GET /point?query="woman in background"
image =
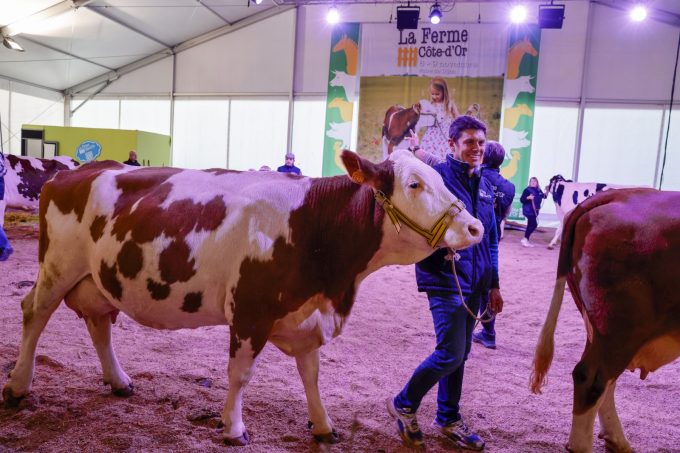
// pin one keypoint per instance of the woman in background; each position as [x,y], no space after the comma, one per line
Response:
[532,198]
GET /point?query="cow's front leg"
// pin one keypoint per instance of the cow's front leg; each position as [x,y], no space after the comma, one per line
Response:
[240,370]
[557,236]
[610,425]
[322,427]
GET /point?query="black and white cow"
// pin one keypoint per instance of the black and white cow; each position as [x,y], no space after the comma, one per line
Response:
[568,194]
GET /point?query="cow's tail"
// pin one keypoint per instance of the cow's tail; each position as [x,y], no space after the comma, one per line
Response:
[546,341]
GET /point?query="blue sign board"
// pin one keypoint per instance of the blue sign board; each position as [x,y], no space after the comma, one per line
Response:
[88,151]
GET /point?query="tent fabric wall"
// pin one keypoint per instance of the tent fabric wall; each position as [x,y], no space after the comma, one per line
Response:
[625,65]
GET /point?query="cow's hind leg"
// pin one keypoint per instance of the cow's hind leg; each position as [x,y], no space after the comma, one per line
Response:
[86,300]
[610,425]
[37,307]
[240,369]
[590,383]
[322,427]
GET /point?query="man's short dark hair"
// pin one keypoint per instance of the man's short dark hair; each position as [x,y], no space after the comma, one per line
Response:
[463,123]
[494,154]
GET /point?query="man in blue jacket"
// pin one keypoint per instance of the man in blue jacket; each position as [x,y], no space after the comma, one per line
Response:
[289,166]
[477,271]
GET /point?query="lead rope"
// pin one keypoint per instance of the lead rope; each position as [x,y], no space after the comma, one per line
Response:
[453,256]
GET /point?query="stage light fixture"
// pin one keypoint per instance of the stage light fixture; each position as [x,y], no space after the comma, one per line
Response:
[550,16]
[435,13]
[518,14]
[408,17]
[333,16]
[11,44]
[638,13]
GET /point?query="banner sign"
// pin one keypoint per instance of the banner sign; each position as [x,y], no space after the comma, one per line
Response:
[519,99]
[342,76]
[445,50]
[420,80]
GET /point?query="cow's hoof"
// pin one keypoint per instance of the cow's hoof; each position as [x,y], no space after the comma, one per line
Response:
[9,400]
[240,441]
[125,391]
[327,438]
[615,445]
[550,247]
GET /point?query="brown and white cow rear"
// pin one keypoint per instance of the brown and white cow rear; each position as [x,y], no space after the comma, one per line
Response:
[278,257]
[620,255]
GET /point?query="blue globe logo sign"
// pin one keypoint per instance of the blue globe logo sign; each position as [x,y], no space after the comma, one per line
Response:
[88,151]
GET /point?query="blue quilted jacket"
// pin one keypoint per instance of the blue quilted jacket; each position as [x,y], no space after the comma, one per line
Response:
[477,267]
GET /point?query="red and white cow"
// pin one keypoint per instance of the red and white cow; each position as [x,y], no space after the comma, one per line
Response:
[277,257]
[25,178]
[620,255]
[568,194]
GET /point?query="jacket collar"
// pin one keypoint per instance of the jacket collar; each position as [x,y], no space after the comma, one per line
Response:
[461,167]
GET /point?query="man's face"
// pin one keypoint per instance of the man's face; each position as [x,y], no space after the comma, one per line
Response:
[469,148]
[290,161]
[133,156]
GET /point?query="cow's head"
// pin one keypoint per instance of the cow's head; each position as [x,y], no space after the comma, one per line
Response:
[417,191]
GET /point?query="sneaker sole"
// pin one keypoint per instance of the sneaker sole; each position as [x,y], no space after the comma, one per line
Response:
[407,441]
[462,444]
[475,340]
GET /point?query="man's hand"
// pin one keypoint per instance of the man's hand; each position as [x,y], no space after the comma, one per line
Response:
[495,300]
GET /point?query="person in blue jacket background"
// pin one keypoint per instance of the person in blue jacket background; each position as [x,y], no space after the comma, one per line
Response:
[5,247]
[477,271]
[532,199]
[504,193]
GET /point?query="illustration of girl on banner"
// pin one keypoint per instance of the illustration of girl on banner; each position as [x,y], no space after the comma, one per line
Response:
[442,106]
[435,139]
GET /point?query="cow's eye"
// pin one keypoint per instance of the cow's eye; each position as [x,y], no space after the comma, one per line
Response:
[414,185]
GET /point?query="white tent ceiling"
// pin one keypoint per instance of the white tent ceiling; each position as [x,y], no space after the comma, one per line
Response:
[69,42]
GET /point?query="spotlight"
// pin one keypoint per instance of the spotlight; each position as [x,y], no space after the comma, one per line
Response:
[518,14]
[333,16]
[408,17]
[11,44]
[436,14]
[550,16]
[257,2]
[638,13]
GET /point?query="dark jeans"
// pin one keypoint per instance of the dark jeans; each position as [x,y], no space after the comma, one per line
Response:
[532,224]
[489,327]
[453,329]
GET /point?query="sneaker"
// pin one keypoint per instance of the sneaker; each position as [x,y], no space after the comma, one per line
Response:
[525,242]
[5,253]
[407,424]
[461,435]
[484,339]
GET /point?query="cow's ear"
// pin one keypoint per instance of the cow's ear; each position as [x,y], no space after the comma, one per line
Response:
[360,170]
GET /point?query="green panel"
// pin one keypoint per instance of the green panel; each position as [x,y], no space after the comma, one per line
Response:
[153,149]
[523,52]
[337,131]
[116,144]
